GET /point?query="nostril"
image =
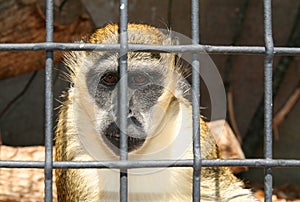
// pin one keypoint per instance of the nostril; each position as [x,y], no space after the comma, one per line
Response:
[130,113]
[135,121]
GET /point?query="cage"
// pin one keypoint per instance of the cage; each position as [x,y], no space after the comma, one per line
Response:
[267,51]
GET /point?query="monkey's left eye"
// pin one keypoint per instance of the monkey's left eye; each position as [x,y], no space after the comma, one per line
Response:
[139,79]
[109,79]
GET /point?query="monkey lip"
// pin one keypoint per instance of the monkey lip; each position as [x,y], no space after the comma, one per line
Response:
[112,137]
[132,142]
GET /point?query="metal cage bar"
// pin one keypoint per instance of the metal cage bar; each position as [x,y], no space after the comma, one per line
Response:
[269,44]
[196,103]
[158,48]
[122,106]
[48,104]
[257,163]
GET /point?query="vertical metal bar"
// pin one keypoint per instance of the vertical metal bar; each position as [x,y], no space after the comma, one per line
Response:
[123,108]
[48,104]
[196,102]
[269,45]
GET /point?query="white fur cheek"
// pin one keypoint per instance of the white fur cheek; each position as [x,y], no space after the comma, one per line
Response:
[145,121]
[102,120]
[84,100]
[88,122]
[153,119]
[89,134]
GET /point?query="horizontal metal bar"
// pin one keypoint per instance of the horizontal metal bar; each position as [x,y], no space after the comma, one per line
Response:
[279,163]
[147,48]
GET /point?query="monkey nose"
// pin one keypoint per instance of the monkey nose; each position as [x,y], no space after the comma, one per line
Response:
[134,120]
[130,113]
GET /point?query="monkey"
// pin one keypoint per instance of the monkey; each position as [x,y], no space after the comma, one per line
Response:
[159,126]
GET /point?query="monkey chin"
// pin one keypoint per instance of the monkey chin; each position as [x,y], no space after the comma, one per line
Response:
[135,137]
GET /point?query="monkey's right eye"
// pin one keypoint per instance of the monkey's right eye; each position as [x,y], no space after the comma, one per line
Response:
[109,79]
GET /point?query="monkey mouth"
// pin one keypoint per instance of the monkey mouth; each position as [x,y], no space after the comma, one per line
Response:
[135,137]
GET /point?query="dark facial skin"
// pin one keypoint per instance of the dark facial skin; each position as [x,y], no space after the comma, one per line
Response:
[144,89]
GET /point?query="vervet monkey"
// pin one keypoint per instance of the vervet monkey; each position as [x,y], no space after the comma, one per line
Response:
[159,126]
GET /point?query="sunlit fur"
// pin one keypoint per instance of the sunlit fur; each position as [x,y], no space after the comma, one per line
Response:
[168,128]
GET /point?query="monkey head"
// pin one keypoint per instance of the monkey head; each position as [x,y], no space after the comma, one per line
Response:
[154,85]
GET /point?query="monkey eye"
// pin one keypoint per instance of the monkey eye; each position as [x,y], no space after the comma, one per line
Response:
[109,79]
[139,79]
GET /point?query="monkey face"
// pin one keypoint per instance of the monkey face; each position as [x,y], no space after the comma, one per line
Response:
[143,94]
[147,81]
